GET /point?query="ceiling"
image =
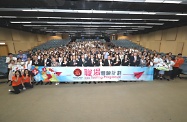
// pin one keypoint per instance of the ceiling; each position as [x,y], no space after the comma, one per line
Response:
[93,17]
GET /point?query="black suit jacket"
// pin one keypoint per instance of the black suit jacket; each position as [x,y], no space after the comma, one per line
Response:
[106,63]
[36,63]
[136,63]
[63,64]
[125,63]
[73,63]
[48,62]
[81,63]
[118,63]
[98,63]
[90,63]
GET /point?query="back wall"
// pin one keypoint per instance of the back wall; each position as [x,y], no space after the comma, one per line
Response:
[170,40]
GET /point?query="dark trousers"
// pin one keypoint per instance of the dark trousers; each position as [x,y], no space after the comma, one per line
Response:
[175,72]
[28,85]
[156,72]
[169,74]
[17,89]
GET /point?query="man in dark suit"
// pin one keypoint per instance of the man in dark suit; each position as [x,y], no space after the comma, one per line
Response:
[46,61]
[91,61]
[35,61]
[82,61]
[73,62]
[134,60]
[108,62]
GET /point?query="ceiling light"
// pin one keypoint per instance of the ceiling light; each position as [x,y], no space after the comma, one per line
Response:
[154,1]
[8,17]
[2,43]
[29,10]
[20,22]
[169,1]
[182,14]
[90,23]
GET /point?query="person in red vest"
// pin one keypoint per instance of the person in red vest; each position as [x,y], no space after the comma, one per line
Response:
[181,61]
[17,83]
[178,62]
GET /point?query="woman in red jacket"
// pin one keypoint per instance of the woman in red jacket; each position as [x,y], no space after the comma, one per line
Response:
[17,83]
[27,79]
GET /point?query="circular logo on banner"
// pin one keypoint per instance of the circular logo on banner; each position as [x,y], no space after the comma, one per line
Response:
[77,72]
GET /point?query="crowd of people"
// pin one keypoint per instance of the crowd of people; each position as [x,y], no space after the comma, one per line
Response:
[90,54]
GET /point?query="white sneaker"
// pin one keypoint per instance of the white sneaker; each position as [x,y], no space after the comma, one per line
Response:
[24,88]
[9,90]
[57,84]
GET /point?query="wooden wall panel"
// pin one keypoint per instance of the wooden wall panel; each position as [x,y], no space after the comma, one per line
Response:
[179,47]
[168,46]
[171,34]
[170,40]
[184,52]
[158,35]
[154,45]
[5,34]
[11,47]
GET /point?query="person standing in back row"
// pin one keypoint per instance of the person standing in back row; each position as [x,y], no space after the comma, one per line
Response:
[178,62]
[181,60]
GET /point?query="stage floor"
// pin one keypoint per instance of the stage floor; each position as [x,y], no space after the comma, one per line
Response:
[158,101]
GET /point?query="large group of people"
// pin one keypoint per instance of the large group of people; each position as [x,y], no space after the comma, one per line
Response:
[90,54]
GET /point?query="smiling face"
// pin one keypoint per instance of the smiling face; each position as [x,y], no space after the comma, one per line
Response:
[17,73]
[26,72]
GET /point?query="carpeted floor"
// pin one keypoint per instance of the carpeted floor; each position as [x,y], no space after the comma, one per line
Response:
[158,101]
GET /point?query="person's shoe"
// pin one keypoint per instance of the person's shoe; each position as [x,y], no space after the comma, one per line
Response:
[167,79]
[160,78]
[41,82]
[56,84]
[46,83]
[9,90]
[94,82]
[50,83]
[37,83]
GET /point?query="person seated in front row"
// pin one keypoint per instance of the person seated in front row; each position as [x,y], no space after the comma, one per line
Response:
[27,79]
[17,83]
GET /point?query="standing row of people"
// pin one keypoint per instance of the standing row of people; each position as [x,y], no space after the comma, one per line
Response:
[95,53]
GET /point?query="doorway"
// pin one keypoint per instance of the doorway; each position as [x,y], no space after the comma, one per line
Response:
[4,50]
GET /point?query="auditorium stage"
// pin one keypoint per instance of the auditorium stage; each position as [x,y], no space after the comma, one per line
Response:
[158,101]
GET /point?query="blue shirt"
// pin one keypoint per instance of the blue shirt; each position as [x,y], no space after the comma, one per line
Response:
[24,57]
[106,55]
